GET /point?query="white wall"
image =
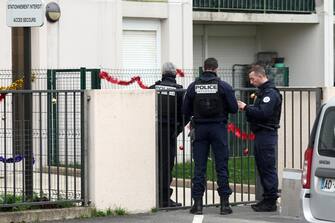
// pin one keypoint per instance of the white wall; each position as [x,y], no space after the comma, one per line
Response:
[302,47]
[89,33]
[177,34]
[307,48]
[230,44]
[122,154]
[325,11]
[306,41]
[327,93]
[133,9]
[5,39]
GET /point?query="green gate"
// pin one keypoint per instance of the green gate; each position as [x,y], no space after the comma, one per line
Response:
[66,79]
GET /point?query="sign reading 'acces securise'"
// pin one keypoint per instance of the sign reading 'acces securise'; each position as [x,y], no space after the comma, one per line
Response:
[25,13]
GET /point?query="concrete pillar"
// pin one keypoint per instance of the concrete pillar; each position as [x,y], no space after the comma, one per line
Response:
[110,33]
[53,46]
[177,34]
[122,149]
[290,197]
[187,34]
[325,10]
[327,93]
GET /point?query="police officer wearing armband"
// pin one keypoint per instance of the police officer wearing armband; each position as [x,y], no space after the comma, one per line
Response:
[264,117]
[209,100]
[170,124]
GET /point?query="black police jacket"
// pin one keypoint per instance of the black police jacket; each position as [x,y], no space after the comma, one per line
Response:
[265,113]
[167,101]
[226,93]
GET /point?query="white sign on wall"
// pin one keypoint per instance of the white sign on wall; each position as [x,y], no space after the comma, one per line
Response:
[25,13]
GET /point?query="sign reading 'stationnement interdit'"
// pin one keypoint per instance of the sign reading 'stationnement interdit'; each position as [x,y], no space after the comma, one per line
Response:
[25,13]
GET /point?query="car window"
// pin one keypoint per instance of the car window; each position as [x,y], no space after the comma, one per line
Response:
[327,134]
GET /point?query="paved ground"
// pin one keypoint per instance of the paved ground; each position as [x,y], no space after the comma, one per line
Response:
[242,214]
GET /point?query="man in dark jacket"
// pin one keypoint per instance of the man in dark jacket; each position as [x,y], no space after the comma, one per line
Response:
[264,117]
[209,100]
[170,124]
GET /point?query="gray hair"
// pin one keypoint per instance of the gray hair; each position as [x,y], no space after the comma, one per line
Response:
[168,69]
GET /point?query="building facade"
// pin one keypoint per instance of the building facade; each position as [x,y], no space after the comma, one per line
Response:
[144,34]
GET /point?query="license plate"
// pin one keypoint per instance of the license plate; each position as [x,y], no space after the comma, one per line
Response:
[328,185]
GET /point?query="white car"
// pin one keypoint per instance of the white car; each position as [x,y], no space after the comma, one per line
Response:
[318,178]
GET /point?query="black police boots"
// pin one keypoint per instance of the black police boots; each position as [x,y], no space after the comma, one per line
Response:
[257,204]
[266,205]
[197,206]
[171,203]
[225,208]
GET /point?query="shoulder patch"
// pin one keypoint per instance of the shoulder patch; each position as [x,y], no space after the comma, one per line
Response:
[266,99]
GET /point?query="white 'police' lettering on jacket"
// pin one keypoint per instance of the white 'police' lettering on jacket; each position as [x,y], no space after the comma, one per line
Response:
[206,88]
[163,87]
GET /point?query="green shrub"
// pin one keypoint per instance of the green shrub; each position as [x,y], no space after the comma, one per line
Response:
[241,169]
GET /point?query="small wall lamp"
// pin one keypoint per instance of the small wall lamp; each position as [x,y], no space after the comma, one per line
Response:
[52,12]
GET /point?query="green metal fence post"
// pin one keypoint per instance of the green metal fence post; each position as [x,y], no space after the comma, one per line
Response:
[95,79]
[286,76]
[49,114]
[83,148]
[201,70]
[55,120]
[82,78]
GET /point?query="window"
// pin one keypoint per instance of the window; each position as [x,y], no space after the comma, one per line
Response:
[141,47]
[327,134]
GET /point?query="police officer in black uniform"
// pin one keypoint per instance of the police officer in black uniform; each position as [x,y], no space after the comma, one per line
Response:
[170,124]
[264,117]
[209,100]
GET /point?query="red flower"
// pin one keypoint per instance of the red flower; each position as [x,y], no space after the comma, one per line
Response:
[252,136]
[181,147]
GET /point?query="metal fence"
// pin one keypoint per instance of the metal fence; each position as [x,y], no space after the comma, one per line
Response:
[39,78]
[298,112]
[237,76]
[299,109]
[79,79]
[57,79]
[42,157]
[57,136]
[256,6]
